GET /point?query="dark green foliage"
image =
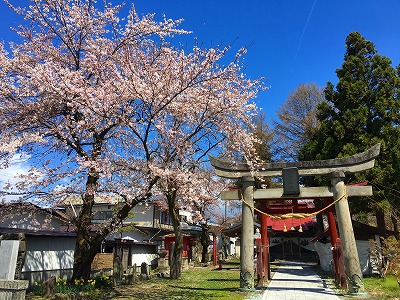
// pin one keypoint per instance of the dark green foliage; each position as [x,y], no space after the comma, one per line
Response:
[362,110]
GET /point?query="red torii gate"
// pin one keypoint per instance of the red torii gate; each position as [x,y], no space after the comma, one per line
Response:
[295,207]
[335,168]
[287,209]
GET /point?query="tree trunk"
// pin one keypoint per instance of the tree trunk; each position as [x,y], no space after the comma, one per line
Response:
[85,250]
[395,225]
[380,220]
[176,259]
[176,256]
[205,242]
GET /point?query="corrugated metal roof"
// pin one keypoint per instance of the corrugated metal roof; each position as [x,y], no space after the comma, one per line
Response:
[30,232]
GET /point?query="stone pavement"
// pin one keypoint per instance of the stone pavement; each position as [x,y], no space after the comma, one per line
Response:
[297,281]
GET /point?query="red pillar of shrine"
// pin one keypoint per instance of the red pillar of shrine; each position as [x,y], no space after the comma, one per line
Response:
[334,235]
[265,245]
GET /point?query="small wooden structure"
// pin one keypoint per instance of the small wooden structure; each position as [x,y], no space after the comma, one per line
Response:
[188,242]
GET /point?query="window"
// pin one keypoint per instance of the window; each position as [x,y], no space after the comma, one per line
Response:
[165,218]
[159,244]
[102,215]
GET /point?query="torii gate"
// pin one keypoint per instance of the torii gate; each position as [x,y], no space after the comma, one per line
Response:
[336,168]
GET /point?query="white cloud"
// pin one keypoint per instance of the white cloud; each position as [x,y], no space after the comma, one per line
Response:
[19,165]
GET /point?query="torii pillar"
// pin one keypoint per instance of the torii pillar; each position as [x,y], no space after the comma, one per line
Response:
[247,238]
[265,246]
[351,261]
[334,235]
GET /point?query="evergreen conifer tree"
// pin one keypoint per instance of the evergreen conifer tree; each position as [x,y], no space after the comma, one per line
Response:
[362,110]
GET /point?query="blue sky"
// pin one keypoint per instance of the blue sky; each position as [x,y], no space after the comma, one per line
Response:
[289,41]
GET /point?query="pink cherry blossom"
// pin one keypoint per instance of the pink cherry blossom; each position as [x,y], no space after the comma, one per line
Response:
[108,108]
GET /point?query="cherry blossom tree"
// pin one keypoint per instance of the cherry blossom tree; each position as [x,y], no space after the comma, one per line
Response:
[106,107]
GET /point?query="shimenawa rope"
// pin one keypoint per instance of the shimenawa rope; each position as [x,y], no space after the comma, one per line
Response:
[293,215]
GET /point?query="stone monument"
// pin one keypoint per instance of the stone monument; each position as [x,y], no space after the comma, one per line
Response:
[21,250]
[8,258]
[10,289]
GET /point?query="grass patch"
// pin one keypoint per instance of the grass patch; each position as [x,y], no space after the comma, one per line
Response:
[196,283]
[383,289]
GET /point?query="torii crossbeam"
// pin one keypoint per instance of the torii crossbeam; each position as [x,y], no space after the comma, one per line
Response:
[352,164]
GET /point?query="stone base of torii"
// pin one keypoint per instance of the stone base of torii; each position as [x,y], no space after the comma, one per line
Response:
[336,169]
